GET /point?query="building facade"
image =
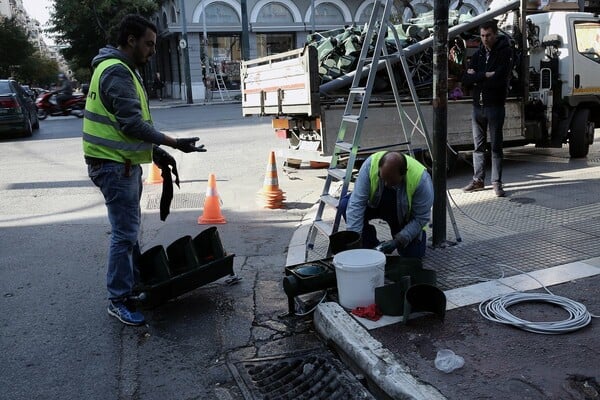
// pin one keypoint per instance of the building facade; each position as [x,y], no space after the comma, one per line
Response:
[214,32]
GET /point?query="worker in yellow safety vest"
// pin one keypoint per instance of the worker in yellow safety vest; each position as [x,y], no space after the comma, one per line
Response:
[118,136]
[396,188]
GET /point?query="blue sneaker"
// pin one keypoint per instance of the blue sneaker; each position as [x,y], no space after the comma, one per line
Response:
[122,313]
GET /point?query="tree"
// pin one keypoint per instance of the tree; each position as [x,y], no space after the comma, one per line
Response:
[85,26]
[39,70]
[15,49]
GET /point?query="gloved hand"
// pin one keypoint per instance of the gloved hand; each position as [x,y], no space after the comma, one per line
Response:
[387,247]
[188,145]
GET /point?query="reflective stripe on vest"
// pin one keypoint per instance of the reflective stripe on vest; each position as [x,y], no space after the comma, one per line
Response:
[414,172]
[102,135]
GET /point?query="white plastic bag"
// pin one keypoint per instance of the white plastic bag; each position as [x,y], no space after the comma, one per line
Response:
[447,361]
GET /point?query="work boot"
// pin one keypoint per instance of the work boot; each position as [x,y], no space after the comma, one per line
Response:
[474,186]
[498,189]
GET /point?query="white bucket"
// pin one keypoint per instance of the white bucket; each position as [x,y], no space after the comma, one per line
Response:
[358,273]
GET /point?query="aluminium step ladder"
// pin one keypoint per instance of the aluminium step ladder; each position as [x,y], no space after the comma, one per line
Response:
[221,86]
[376,28]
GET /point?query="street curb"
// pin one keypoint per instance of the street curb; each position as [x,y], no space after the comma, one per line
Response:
[297,248]
[333,323]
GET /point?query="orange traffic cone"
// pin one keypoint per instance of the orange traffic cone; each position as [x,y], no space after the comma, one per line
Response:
[212,209]
[154,175]
[270,194]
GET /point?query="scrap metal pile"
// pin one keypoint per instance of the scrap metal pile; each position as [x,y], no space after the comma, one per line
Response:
[339,49]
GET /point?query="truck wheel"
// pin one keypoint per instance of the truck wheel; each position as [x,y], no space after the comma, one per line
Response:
[579,144]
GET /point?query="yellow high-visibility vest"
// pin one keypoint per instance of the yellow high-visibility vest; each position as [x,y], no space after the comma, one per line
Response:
[414,172]
[102,135]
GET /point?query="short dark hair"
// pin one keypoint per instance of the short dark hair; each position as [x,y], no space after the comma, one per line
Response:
[491,24]
[133,24]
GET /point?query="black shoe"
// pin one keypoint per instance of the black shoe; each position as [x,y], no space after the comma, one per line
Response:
[498,189]
[474,186]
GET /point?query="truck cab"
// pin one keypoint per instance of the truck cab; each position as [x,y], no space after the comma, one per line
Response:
[564,89]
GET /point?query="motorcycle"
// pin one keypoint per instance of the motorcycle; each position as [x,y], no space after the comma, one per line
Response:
[47,105]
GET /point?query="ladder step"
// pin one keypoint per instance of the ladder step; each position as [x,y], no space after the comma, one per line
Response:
[324,227]
[351,118]
[330,200]
[345,146]
[358,90]
[337,173]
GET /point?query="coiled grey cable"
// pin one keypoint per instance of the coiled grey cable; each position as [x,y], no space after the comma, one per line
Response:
[496,309]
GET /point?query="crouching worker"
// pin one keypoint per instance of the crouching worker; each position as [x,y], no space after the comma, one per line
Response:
[397,189]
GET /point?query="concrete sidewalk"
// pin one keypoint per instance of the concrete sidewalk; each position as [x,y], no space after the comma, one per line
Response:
[548,228]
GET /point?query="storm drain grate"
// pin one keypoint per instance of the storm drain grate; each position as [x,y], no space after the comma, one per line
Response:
[302,377]
[180,200]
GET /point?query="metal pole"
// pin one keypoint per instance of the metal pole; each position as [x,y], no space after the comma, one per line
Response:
[186,54]
[205,60]
[440,119]
[245,33]
[312,12]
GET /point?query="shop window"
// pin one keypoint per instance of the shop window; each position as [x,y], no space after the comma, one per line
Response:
[220,14]
[274,43]
[224,56]
[328,14]
[275,13]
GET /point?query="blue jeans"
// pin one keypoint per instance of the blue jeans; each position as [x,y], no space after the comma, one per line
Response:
[484,119]
[387,211]
[122,196]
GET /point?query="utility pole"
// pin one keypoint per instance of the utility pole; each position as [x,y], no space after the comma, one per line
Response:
[186,55]
[245,33]
[314,17]
[440,119]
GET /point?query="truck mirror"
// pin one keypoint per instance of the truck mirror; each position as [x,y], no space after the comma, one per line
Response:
[553,40]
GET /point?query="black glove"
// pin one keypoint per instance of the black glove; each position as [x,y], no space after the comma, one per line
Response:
[161,158]
[188,145]
[167,165]
[387,247]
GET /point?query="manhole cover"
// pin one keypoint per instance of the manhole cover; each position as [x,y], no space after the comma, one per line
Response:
[180,200]
[299,377]
[522,200]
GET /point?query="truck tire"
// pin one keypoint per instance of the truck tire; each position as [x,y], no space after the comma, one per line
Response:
[579,145]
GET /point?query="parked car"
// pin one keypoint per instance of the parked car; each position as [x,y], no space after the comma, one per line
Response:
[18,113]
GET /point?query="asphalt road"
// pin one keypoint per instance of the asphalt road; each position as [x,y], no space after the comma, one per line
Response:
[57,340]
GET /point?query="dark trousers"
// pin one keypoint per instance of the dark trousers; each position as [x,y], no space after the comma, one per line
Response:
[487,119]
[387,211]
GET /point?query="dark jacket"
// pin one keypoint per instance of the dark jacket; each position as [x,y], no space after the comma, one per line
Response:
[490,91]
[119,96]
[65,88]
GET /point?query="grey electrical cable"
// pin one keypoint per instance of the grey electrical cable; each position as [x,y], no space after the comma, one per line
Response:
[496,309]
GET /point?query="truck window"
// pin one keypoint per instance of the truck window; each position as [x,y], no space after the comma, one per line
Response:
[588,39]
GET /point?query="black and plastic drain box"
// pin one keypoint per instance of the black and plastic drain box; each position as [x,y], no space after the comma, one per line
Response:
[185,265]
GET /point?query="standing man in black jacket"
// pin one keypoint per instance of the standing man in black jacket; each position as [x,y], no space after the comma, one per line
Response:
[488,76]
